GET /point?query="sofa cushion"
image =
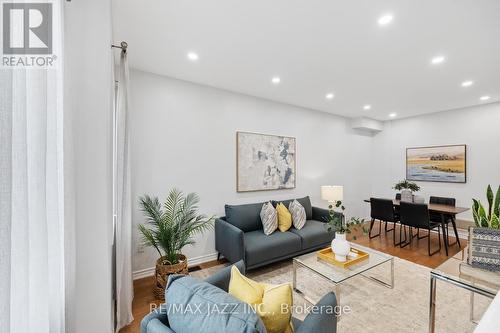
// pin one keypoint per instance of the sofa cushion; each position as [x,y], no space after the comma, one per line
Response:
[298,214]
[284,217]
[314,233]
[245,217]
[260,247]
[305,202]
[196,306]
[272,302]
[269,218]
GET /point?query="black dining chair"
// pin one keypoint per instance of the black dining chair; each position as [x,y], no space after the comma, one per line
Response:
[417,216]
[448,218]
[383,210]
[397,197]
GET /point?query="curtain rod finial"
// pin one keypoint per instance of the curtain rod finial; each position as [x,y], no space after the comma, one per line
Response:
[123,46]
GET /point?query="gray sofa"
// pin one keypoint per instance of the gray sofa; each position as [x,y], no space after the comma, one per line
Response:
[320,320]
[239,235]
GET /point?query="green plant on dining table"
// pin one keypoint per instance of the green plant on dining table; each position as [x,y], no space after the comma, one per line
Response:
[336,221]
[406,185]
[490,218]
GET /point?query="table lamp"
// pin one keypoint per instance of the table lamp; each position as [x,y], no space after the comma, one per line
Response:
[332,193]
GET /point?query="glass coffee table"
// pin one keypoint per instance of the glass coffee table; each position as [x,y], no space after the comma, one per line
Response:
[337,275]
[457,272]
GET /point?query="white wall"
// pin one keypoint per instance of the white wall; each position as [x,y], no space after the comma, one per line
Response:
[87,148]
[477,127]
[184,135]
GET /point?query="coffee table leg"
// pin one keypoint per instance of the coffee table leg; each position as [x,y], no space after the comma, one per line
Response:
[432,305]
[392,273]
[385,284]
[337,295]
[294,284]
[472,306]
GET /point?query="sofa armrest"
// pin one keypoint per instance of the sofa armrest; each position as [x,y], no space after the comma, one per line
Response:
[320,214]
[322,318]
[221,278]
[229,241]
[156,322]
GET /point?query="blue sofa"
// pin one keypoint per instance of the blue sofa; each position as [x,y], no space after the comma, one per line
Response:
[321,320]
[239,235]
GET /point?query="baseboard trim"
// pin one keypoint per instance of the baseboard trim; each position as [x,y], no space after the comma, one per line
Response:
[147,272]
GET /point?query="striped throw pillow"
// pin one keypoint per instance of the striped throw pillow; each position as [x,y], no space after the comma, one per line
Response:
[298,214]
[269,218]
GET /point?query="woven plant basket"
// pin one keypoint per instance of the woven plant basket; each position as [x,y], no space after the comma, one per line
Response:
[163,270]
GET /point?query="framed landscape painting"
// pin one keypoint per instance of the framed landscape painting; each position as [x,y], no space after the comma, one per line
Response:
[437,164]
[264,162]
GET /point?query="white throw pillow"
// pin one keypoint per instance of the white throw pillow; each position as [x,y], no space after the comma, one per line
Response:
[298,214]
[269,218]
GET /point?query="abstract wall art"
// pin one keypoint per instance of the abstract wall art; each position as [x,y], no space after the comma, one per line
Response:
[264,162]
[437,164]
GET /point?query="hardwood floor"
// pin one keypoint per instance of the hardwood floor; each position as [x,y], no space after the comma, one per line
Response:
[143,299]
[416,252]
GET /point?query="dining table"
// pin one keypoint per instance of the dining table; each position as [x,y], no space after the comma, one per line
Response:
[444,211]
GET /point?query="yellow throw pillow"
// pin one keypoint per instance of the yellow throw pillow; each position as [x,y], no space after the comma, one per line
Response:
[284,217]
[273,303]
[245,289]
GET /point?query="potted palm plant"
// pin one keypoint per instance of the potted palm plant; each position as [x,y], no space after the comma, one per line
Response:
[168,228]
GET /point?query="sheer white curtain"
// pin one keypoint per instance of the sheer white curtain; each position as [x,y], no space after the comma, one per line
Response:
[32,196]
[123,208]
[31,204]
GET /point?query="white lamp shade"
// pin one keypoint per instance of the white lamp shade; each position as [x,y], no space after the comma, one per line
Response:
[332,193]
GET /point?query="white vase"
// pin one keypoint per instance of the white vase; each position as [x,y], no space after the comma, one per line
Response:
[340,247]
[406,195]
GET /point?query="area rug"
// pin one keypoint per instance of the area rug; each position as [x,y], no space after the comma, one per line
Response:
[375,308]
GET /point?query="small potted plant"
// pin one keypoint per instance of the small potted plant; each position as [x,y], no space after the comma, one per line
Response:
[336,222]
[168,230]
[407,188]
[491,217]
[486,232]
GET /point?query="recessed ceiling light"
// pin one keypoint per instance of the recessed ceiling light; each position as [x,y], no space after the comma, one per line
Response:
[484,98]
[276,80]
[367,107]
[467,83]
[192,56]
[392,115]
[438,60]
[385,19]
[329,96]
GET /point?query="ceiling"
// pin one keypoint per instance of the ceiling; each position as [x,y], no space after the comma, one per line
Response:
[318,46]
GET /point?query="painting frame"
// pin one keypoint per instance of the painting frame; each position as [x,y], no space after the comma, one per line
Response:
[437,180]
[239,188]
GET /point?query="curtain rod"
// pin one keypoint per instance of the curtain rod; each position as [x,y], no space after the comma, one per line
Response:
[123,46]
